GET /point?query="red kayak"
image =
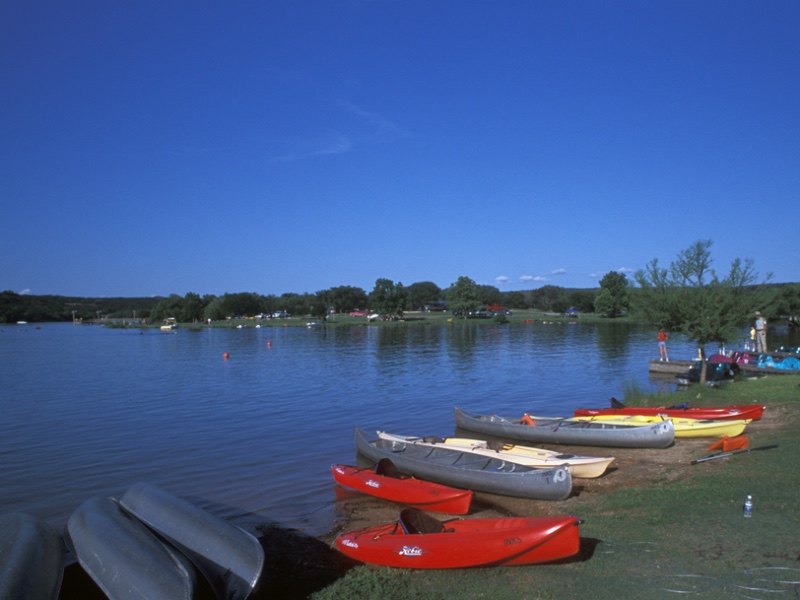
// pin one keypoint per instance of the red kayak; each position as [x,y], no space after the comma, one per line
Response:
[733,412]
[384,481]
[419,541]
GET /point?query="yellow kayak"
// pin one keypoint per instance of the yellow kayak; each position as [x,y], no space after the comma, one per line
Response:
[684,427]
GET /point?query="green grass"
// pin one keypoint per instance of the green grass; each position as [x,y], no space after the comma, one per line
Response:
[687,535]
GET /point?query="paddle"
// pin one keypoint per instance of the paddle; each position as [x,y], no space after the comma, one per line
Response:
[724,454]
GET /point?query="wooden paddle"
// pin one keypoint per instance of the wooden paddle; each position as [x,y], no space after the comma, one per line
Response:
[724,454]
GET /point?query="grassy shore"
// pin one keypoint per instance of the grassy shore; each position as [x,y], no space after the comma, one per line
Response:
[656,527]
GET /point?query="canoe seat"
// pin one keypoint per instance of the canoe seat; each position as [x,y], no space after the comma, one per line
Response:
[495,445]
[415,521]
[387,468]
[432,439]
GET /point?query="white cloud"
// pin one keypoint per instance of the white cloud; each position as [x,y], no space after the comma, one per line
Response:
[626,270]
[25,292]
[540,278]
[559,272]
[526,278]
[501,280]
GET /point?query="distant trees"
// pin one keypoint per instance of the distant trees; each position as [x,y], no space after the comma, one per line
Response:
[463,295]
[691,298]
[423,293]
[612,299]
[388,298]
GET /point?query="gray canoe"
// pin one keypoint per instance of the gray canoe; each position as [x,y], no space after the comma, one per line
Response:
[31,558]
[124,558]
[468,471]
[228,556]
[574,433]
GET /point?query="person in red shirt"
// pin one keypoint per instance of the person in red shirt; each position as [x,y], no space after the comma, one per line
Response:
[662,345]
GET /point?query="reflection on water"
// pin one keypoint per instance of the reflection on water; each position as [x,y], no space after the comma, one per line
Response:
[90,411]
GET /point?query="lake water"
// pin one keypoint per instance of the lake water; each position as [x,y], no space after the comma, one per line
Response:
[89,411]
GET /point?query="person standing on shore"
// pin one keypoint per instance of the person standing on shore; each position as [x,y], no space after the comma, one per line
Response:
[761,333]
[662,345]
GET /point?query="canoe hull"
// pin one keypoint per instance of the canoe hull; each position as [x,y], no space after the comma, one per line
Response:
[31,558]
[421,494]
[561,431]
[462,470]
[124,558]
[584,467]
[229,557]
[466,543]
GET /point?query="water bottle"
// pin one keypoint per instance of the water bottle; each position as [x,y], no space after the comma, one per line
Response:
[748,507]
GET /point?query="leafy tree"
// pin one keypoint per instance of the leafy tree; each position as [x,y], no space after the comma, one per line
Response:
[583,300]
[515,300]
[462,295]
[422,293]
[786,303]
[691,298]
[346,298]
[546,296]
[489,294]
[388,298]
[612,299]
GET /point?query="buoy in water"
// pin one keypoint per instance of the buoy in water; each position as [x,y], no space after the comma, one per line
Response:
[269,344]
[225,355]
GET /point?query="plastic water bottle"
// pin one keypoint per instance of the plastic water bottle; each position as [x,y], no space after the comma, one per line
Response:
[748,507]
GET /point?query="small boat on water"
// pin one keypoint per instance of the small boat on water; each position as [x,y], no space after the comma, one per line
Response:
[419,541]
[31,558]
[468,471]
[684,428]
[229,557]
[565,431]
[733,412]
[169,324]
[124,558]
[580,466]
[386,482]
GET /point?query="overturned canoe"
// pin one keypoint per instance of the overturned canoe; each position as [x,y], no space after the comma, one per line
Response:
[684,428]
[384,481]
[31,558]
[124,558]
[579,466]
[418,541]
[733,412]
[565,431]
[468,471]
[229,557]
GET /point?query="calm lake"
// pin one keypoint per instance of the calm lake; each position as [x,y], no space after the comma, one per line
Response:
[89,411]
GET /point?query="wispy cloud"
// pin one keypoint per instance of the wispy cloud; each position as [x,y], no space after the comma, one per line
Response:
[366,128]
[626,270]
[25,292]
[559,272]
[501,280]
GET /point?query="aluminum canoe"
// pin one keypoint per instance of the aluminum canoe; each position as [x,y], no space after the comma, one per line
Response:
[583,467]
[124,558]
[229,557]
[570,432]
[31,558]
[468,471]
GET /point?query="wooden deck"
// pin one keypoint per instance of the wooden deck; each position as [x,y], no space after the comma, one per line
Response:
[674,367]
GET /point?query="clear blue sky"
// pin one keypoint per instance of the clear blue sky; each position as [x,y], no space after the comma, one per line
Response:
[153,147]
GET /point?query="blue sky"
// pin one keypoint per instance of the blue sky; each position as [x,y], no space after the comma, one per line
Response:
[149,148]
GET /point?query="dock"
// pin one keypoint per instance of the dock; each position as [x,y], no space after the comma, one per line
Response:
[672,367]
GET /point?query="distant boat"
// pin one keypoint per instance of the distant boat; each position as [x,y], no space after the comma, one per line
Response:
[22,322]
[169,324]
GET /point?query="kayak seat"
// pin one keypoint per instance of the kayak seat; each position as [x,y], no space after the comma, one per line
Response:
[414,521]
[616,403]
[387,468]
